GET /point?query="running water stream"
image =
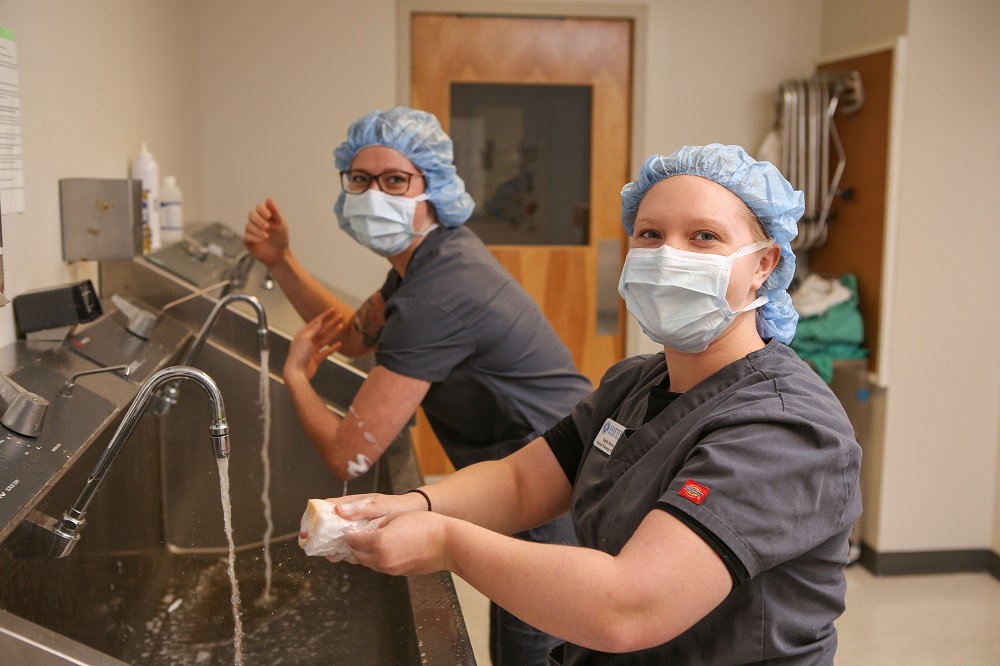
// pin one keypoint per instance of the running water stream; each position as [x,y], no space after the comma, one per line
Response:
[265,495]
[227,515]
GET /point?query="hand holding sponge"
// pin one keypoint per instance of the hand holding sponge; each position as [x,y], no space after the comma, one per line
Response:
[321,531]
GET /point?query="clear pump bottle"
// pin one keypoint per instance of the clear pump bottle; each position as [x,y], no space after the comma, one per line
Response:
[171,212]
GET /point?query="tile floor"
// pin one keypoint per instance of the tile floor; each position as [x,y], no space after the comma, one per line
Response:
[913,620]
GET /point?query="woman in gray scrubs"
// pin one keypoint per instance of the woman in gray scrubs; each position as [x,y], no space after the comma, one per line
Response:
[452,331]
[713,485]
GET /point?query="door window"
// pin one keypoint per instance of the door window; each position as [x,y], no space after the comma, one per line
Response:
[524,153]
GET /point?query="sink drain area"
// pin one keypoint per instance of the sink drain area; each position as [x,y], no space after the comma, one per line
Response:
[318,613]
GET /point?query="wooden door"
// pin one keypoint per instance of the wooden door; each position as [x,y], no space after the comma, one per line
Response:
[564,279]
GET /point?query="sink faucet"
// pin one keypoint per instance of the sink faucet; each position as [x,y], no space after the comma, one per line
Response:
[67,389]
[23,411]
[168,398]
[44,537]
[238,271]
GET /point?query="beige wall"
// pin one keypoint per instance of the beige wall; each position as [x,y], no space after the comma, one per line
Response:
[941,432]
[935,428]
[996,502]
[248,99]
[280,82]
[278,89]
[857,25]
[96,79]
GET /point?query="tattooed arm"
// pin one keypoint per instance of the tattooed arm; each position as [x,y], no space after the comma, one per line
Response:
[368,322]
[362,332]
[379,412]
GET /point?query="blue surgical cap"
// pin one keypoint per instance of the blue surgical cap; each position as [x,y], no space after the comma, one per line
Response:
[419,137]
[761,187]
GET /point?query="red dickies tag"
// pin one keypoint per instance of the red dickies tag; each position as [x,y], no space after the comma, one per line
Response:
[693,491]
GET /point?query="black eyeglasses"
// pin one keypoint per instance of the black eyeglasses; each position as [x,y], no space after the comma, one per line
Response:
[357,181]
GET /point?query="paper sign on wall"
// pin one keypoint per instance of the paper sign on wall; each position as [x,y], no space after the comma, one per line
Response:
[11,157]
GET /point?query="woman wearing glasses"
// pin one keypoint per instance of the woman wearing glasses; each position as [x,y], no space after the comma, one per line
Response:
[453,332]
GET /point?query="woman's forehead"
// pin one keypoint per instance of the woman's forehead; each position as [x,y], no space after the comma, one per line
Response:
[381,157]
[687,196]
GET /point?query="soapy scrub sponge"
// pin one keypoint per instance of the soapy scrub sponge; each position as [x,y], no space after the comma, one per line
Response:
[321,531]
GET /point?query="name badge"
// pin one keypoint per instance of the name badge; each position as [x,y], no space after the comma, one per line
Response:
[609,435]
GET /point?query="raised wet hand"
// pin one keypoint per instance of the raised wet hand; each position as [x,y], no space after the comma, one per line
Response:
[314,343]
[266,233]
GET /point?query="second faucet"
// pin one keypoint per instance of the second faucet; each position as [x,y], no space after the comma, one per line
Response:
[168,397]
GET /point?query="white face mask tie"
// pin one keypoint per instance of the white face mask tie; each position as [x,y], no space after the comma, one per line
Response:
[383,222]
[679,297]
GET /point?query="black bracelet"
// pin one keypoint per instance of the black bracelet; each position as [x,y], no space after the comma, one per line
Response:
[420,492]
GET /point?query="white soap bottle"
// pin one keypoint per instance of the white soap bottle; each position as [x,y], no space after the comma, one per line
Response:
[172,211]
[146,170]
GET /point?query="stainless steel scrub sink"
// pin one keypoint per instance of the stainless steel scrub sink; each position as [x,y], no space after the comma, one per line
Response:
[147,583]
[152,606]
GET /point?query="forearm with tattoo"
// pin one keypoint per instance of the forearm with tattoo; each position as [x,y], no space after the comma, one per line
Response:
[370,319]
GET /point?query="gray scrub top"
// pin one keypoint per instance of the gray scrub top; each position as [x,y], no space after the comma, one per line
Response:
[499,374]
[762,456]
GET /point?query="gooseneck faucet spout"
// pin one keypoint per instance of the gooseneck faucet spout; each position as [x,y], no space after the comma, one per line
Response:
[169,396]
[199,340]
[239,270]
[45,537]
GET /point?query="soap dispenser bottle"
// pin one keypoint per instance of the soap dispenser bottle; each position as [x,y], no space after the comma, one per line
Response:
[172,212]
[146,170]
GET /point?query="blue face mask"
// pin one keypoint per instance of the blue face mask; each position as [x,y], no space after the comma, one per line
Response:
[383,222]
[679,297]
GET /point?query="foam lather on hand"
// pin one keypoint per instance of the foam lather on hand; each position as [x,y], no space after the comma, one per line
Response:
[321,531]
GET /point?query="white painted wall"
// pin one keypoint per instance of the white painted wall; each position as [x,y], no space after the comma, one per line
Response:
[941,433]
[933,480]
[280,83]
[996,501]
[96,79]
[279,86]
[850,26]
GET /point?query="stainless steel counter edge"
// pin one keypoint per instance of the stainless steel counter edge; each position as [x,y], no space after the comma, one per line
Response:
[442,635]
[235,329]
[116,391]
[23,642]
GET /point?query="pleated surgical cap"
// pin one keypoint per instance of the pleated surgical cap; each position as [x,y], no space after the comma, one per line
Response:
[761,187]
[419,137]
